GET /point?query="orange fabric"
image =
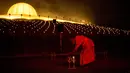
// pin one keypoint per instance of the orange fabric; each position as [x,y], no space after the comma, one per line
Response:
[87,54]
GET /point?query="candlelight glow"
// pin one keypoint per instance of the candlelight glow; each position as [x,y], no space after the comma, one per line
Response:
[22,8]
[26,11]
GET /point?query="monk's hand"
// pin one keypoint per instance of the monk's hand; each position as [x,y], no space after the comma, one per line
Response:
[71,53]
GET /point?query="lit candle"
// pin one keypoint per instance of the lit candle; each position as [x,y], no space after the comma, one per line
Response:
[73,57]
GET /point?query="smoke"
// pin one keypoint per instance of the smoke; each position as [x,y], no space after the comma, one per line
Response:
[76,10]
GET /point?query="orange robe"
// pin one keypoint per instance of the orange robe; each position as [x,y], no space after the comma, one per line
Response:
[87,54]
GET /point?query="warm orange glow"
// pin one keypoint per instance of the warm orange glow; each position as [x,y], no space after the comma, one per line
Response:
[22,8]
[26,11]
[41,18]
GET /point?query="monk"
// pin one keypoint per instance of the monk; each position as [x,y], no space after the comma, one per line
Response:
[87,53]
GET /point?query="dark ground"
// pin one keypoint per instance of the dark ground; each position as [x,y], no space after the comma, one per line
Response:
[42,64]
[22,56]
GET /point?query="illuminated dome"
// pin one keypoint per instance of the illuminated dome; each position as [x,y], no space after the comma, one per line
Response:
[22,8]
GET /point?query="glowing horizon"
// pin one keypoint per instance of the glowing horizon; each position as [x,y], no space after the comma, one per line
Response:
[26,11]
[41,18]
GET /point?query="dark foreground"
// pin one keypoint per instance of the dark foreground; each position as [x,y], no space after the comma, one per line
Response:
[40,64]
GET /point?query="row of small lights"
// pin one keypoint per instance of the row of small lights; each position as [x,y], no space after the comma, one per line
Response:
[35,24]
[67,29]
[47,28]
[70,28]
[54,28]
[84,29]
[113,30]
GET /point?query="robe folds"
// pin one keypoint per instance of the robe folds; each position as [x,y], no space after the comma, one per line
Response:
[87,54]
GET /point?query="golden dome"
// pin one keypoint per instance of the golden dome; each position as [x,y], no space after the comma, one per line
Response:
[22,8]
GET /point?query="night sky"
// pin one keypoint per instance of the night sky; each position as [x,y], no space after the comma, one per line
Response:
[112,13]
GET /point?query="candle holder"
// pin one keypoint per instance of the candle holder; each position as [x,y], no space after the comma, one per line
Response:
[69,62]
[73,60]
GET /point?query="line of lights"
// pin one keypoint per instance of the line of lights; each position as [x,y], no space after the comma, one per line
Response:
[54,26]
[12,25]
[47,28]
[67,29]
